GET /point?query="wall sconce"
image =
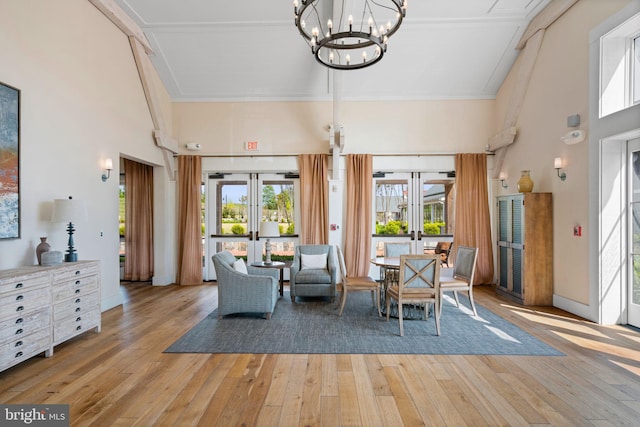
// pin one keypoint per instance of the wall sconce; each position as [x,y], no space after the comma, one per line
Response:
[502,177]
[557,163]
[108,166]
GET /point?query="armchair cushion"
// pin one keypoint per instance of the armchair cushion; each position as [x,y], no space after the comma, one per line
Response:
[240,266]
[315,262]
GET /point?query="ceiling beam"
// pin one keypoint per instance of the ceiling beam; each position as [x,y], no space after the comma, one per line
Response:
[162,139]
[507,135]
[547,16]
[127,25]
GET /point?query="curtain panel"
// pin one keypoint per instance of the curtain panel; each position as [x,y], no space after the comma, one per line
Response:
[473,223]
[138,217]
[189,221]
[314,199]
[357,227]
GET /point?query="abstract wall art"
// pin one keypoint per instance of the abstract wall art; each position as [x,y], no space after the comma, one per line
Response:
[9,162]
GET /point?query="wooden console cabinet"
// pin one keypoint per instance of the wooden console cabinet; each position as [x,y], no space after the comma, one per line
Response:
[41,307]
[525,248]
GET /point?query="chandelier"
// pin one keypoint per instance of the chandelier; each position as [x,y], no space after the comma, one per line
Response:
[339,41]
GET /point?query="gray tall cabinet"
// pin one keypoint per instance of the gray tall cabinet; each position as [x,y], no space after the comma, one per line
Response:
[525,248]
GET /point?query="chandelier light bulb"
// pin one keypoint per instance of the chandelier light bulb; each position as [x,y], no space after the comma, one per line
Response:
[348,59]
[331,57]
[364,56]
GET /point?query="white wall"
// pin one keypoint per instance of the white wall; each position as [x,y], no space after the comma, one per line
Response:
[302,127]
[81,101]
[559,88]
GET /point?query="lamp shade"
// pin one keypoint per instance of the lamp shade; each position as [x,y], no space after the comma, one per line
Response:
[68,210]
[269,229]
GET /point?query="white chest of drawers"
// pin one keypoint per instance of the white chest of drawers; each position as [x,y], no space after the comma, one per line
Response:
[40,307]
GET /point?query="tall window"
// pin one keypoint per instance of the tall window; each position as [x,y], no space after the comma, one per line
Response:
[620,67]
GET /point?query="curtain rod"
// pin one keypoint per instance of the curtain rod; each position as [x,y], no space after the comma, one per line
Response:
[374,155]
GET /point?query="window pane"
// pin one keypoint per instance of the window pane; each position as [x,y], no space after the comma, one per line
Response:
[391,206]
[277,204]
[433,199]
[233,204]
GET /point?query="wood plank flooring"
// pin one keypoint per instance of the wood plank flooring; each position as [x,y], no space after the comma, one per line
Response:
[120,377]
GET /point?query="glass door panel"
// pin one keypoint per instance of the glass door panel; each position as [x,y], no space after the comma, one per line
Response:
[633,293]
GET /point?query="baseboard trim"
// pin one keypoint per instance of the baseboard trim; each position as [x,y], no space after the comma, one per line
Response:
[573,307]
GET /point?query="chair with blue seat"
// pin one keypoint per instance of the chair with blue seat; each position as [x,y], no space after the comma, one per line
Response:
[313,272]
[242,288]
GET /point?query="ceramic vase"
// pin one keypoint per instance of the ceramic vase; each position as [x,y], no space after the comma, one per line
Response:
[525,184]
[42,247]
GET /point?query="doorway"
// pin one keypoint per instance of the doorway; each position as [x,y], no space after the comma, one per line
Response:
[236,204]
[633,262]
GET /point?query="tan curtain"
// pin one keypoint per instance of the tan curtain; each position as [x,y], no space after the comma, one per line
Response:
[357,227]
[473,223]
[138,217]
[189,221]
[314,199]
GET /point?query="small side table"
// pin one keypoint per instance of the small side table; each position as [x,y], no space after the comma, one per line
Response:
[275,264]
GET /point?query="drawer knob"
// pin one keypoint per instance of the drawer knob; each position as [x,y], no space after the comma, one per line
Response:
[19,331]
[77,300]
[19,285]
[18,344]
[78,319]
[77,272]
[78,309]
[19,320]
[77,282]
[20,308]
[19,297]
[77,291]
[19,354]
[79,327]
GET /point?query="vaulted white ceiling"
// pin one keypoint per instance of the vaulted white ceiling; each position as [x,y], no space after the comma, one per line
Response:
[251,50]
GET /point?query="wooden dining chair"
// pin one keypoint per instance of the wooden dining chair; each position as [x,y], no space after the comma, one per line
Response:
[355,284]
[418,283]
[462,278]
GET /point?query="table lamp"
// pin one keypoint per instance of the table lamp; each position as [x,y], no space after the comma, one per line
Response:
[269,229]
[69,211]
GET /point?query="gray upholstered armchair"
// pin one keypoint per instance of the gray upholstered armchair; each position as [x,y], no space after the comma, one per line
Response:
[253,292]
[313,275]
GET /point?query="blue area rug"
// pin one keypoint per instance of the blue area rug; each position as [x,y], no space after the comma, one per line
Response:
[312,326]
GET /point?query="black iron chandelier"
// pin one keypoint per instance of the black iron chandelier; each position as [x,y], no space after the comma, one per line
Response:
[339,41]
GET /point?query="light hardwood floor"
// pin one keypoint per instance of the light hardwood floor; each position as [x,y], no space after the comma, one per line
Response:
[120,377]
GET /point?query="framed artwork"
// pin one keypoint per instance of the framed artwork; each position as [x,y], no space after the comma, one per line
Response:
[9,162]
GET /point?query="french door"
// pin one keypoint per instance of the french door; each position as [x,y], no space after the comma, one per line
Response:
[411,207]
[633,282]
[237,203]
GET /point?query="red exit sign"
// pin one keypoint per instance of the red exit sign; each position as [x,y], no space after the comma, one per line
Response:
[251,146]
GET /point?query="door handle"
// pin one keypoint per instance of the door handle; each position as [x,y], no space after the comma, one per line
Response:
[419,235]
[250,235]
[413,235]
